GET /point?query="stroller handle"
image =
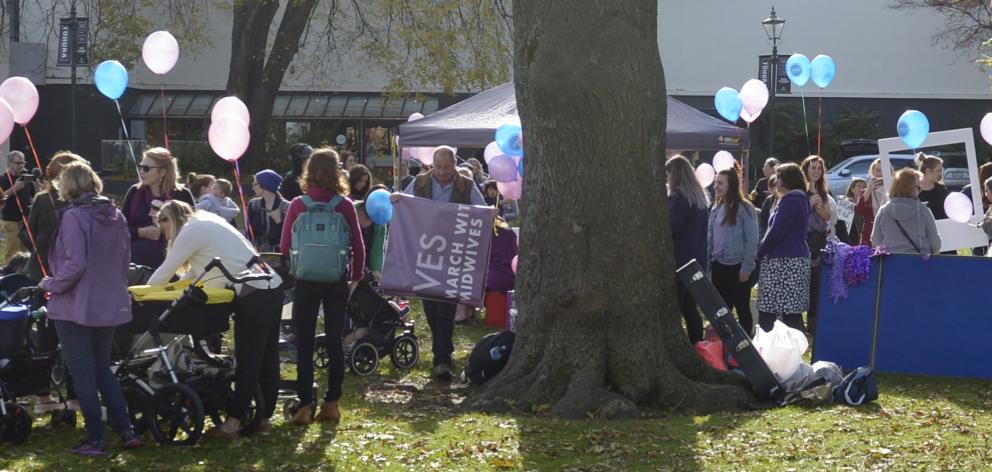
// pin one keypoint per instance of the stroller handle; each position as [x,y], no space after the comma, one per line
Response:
[216,263]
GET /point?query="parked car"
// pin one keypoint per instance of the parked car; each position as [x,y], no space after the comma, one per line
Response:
[840,175]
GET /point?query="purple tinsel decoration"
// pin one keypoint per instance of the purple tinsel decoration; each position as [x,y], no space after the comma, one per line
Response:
[850,267]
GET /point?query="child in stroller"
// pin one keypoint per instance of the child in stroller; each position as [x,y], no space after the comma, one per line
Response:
[371,332]
[29,355]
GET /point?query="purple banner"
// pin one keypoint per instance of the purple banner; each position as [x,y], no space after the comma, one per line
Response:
[438,251]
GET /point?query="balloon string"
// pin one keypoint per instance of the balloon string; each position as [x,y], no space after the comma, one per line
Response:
[37,161]
[128,138]
[24,220]
[809,146]
[819,132]
[244,205]
[165,120]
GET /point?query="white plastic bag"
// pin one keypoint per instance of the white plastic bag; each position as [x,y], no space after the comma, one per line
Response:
[828,371]
[782,349]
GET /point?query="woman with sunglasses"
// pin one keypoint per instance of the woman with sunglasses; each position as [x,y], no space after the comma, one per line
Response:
[159,183]
[195,238]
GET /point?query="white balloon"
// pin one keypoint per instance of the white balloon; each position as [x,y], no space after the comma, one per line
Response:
[415,116]
[705,174]
[986,128]
[160,52]
[492,150]
[723,160]
[958,207]
[233,105]
[749,117]
[754,96]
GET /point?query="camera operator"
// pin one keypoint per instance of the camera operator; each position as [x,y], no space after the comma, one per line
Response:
[18,187]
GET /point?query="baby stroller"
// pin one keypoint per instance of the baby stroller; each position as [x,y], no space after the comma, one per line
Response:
[171,385]
[372,332]
[29,357]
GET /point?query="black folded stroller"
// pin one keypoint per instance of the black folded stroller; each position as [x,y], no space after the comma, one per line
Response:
[375,328]
[29,358]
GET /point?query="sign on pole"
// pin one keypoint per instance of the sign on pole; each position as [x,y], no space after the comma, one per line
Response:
[783,84]
[82,46]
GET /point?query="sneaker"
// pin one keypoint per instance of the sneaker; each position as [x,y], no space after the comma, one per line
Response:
[89,447]
[329,412]
[131,440]
[442,373]
[303,416]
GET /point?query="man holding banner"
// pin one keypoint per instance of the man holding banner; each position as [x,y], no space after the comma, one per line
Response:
[439,251]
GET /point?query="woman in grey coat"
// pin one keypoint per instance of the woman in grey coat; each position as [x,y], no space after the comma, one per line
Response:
[905,224]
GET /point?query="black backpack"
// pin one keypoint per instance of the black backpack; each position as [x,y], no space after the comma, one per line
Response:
[488,357]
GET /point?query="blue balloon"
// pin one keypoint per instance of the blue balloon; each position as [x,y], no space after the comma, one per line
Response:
[520,166]
[728,104]
[822,70]
[111,79]
[508,140]
[913,127]
[798,69]
[378,207]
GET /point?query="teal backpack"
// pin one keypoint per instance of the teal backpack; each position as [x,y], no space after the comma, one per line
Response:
[320,245]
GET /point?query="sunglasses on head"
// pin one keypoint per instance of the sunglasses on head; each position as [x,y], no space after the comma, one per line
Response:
[145,168]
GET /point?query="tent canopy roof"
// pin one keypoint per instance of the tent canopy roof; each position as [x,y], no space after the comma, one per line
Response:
[473,122]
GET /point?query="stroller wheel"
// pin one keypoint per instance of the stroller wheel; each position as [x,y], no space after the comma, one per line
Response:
[253,413]
[176,415]
[16,424]
[320,356]
[363,359]
[405,353]
[137,408]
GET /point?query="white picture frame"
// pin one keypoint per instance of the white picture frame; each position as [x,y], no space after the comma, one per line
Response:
[953,235]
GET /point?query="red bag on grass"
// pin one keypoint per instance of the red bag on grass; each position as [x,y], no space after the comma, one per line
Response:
[712,353]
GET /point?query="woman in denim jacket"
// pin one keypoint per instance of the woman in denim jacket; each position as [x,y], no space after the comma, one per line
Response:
[732,242]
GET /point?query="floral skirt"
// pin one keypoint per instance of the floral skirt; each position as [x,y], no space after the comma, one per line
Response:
[783,285]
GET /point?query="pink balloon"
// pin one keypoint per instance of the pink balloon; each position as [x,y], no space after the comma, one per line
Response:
[513,264]
[160,52]
[723,160]
[749,117]
[510,190]
[415,116]
[986,128]
[6,120]
[232,105]
[423,154]
[229,137]
[958,207]
[22,97]
[492,150]
[754,96]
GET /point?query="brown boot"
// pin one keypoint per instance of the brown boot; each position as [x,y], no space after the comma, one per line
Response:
[329,412]
[303,416]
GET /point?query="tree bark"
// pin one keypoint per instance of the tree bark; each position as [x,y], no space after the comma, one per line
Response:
[255,78]
[599,333]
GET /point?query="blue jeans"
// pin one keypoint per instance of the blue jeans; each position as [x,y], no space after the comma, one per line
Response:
[86,352]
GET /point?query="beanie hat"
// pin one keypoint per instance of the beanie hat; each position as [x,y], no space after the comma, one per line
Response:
[269,180]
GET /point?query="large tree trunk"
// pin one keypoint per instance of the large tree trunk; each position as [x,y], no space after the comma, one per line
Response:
[253,77]
[599,333]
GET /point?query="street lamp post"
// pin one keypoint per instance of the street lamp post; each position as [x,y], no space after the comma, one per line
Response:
[773,28]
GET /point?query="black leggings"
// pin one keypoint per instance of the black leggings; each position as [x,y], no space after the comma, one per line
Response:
[256,349]
[737,295]
[307,299]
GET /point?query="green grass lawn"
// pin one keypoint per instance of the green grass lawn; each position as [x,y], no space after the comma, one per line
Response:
[402,421]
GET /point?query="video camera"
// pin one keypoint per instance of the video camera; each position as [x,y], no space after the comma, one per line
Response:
[30,175]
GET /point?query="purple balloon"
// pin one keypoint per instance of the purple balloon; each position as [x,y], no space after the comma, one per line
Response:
[503,169]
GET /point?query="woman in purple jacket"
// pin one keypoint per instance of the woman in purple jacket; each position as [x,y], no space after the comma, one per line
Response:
[88,287]
[501,278]
[783,282]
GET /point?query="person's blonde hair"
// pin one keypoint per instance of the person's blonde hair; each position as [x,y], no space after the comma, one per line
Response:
[57,163]
[178,213]
[164,159]
[323,170]
[198,182]
[78,179]
[225,186]
[904,184]
[683,180]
